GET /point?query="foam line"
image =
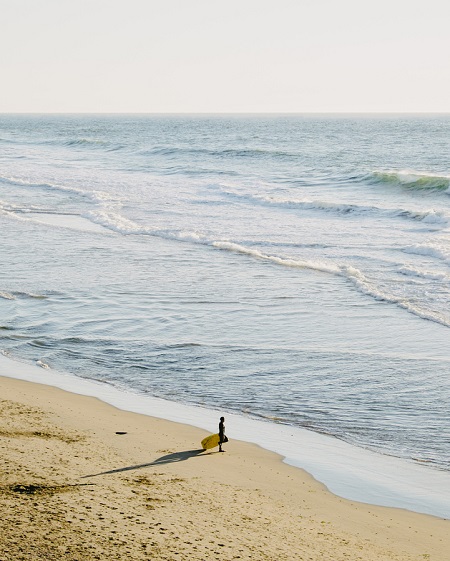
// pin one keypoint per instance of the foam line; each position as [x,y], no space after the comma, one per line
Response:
[430,275]
[430,216]
[346,470]
[286,262]
[435,251]
[352,274]
[95,196]
[114,221]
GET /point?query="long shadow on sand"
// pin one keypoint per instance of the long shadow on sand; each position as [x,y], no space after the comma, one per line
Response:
[167,459]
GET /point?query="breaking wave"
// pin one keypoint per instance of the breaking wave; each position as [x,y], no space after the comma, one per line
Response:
[13,295]
[439,251]
[411,180]
[96,196]
[42,364]
[6,295]
[351,274]
[429,216]
[429,275]
[355,276]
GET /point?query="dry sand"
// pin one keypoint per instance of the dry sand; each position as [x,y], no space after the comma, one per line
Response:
[72,488]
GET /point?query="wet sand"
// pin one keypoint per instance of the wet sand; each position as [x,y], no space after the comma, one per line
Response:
[82,480]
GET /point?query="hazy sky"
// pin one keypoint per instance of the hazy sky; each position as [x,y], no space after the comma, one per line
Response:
[224,56]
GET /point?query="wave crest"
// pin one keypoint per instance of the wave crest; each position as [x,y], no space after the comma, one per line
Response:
[7,296]
[439,251]
[429,216]
[355,276]
[95,196]
[231,153]
[122,225]
[411,180]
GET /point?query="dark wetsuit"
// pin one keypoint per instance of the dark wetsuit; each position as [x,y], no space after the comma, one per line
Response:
[221,433]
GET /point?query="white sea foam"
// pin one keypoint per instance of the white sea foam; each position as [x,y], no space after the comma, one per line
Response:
[7,208]
[118,223]
[440,251]
[42,364]
[366,287]
[7,295]
[429,216]
[354,275]
[284,261]
[114,221]
[182,235]
[431,275]
[122,225]
[93,195]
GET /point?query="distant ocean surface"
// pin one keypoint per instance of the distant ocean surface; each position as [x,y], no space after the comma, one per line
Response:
[294,269]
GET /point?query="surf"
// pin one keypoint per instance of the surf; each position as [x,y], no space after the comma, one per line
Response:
[411,180]
[429,216]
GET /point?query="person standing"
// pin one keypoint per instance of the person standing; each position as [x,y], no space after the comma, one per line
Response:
[222,437]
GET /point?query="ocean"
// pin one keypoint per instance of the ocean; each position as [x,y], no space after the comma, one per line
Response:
[293,270]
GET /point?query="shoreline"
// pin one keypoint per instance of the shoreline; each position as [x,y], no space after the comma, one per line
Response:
[345,470]
[72,485]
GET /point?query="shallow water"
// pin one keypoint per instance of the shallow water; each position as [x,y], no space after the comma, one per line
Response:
[293,269]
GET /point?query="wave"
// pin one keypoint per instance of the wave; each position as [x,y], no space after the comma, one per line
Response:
[428,275]
[219,153]
[96,196]
[286,262]
[6,295]
[91,143]
[351,274]
[435,251]
[355,276]
[118,223]
[13,295]
[115,222]
[31,209]
[368,288]
[405,179]
[84,141]
[429,216]
[79,142]
[42,364]
[21,294]
[413,180]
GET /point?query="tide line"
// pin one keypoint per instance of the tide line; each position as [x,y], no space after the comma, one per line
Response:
[347,471]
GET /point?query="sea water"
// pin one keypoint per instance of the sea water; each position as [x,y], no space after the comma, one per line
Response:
[288,269]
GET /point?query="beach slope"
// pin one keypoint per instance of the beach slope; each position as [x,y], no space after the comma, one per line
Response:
[81,480]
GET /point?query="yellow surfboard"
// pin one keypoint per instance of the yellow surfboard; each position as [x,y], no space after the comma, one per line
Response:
[210,441]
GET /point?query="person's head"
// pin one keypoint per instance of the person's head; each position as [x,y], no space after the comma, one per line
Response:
[222,419]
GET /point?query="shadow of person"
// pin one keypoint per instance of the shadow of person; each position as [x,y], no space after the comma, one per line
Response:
[167,459]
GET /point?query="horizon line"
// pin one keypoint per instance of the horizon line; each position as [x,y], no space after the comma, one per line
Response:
[241,113]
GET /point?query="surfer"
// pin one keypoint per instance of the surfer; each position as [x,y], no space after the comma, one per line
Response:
[222,437]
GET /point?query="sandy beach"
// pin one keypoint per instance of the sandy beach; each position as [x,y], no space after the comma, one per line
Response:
[81,480]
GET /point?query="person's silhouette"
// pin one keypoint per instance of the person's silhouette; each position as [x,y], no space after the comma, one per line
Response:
[222,437]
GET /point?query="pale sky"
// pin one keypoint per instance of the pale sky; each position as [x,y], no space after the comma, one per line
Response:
[172,56]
